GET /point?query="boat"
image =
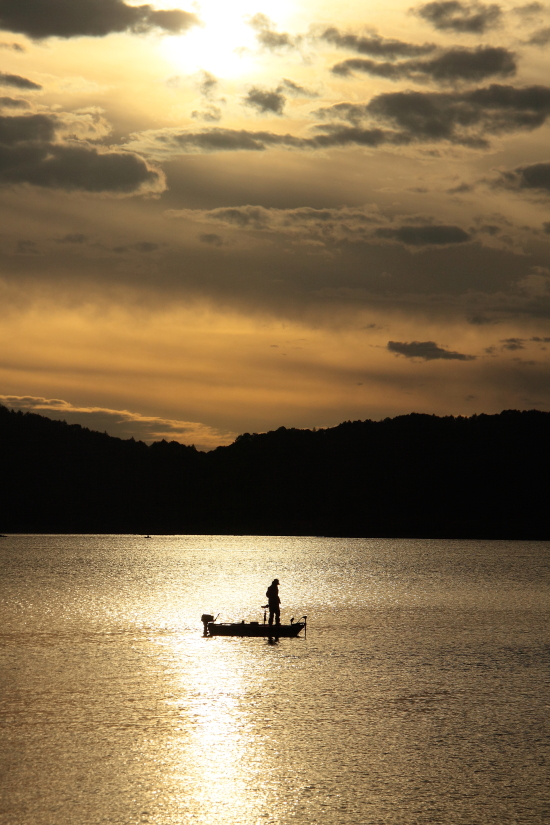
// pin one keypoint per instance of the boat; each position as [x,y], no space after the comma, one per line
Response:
[215,628]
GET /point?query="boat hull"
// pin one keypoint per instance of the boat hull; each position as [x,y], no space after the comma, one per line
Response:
[241,629]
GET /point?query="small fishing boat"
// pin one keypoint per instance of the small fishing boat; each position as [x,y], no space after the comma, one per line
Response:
[214,628]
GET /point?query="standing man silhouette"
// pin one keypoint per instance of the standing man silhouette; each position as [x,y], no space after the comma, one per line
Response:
[274,601]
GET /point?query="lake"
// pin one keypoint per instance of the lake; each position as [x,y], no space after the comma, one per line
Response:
[420,695]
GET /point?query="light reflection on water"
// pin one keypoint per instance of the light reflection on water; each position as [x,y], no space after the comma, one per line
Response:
[419,696]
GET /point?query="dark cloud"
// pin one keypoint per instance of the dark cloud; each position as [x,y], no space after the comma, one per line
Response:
[376,46]
[141,246]
[295,89]
[512,344]
[462,188]
[268,37]
[207,83]
[540,340]
[210,114]
[27,248]
[424,235]
[540,38]
[26,128]
[473,65]
[427,350]
[145,246]
[28,154]
[535,176]
[330,226]
[14,47]
[18,82]
[463,117]
[75,237]
[243,216]
[14,103]
[235,140]
[453,15]
[546,227]
[266,100]
[211,238]
[529,9]
[92,18]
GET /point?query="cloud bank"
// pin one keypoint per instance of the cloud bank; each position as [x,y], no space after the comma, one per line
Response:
[31,153]
[122,423]
[39,19]
[427,350]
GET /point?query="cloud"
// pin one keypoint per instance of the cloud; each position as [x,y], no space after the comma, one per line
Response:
[210,114]
[463,117]
[512,344]
[436,235]
[141,246]
[167,143]
[541,37]
[39,19]
[75,237]
[295,89]
[27,248]
[467,18]
[376,46]
[534,176]
[323,225]
[472,65]
[327,226]
[30,154]
[427,350]
[207,83]
[122,423]
[14,47]
[18,82]
[211,238]
[14,103]
[268,37]
[265,100]
[529,9]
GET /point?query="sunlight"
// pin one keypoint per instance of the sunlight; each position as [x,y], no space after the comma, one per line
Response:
[226,44]
[220,759]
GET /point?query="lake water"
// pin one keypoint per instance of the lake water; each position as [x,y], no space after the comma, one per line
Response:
[420,695]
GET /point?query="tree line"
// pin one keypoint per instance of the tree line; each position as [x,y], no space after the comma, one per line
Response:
[485,476]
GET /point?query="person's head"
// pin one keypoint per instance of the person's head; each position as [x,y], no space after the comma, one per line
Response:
[275,581]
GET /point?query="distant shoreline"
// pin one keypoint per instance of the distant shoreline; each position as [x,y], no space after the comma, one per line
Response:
[415,476]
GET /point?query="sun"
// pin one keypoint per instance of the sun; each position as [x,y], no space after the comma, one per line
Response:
[225,45]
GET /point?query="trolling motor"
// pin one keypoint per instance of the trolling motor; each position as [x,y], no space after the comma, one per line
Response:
[205,618]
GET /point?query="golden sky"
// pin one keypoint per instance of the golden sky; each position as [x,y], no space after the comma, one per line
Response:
[221,217]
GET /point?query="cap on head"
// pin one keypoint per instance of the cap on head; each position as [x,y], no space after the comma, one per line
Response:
[275,581]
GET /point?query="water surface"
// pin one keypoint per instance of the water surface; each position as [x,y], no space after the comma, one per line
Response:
[420,694]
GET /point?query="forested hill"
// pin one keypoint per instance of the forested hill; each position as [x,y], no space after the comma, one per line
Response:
[410,476]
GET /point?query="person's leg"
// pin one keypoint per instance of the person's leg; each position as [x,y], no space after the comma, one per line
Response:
[270,615]
[278,615]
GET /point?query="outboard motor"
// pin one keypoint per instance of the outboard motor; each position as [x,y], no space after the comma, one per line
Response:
[205,618]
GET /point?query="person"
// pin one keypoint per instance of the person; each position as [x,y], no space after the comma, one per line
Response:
[274,602]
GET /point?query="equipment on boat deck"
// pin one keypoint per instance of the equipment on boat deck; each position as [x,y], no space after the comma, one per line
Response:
[211,628]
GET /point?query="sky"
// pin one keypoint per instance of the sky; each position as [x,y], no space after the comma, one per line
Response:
[227,217]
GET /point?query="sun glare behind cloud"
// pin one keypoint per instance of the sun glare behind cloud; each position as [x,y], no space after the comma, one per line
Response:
[225,44]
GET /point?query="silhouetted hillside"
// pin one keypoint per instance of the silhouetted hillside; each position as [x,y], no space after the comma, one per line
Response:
[413,476]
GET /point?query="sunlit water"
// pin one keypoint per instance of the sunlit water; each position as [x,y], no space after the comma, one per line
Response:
[420,694]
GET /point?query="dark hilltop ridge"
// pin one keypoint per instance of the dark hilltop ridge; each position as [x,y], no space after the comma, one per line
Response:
[422,476]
